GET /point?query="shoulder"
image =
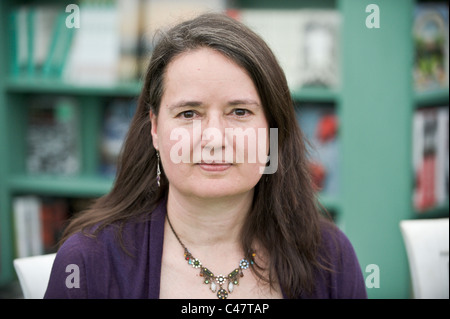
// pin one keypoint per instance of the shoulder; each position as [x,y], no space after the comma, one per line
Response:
[335,242]
[88,266]
[80,257]
[344,279]
[111,262]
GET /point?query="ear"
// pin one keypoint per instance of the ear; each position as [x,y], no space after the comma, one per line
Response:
[154,131]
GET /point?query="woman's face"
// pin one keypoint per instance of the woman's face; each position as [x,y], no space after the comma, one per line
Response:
[211,130]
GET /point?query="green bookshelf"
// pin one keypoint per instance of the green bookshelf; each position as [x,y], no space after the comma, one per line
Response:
[374,103]
[433,98]
[43,86]
[79,186]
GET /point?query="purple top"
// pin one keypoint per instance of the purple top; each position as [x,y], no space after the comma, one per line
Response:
[98,267]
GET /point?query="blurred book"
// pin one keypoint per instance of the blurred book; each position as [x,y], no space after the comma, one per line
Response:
[44,19]
[52,137]
[102,51]
[116,122]
[58,51]
[39,222]
[305,42]
[35,32]
[320,125]
[21,40]
[129,51]
[430,158]
[28,232]
[112,44]
[54,213]
[95,52]
[431,41]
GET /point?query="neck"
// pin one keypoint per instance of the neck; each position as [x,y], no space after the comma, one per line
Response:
[207,225]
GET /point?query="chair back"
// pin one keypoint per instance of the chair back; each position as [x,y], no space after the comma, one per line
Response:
[34,274]
[427,248]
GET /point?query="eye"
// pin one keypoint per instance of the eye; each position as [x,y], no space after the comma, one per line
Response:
[241,112]
[187,114]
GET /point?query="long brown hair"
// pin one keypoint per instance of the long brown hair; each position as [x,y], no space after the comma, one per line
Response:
[284,218]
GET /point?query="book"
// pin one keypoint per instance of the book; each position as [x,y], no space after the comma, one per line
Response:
[280,29]
[320,126]
[442,157]
[28,233]
[61,41]
[431,42]
[39,222]
[305,42]
[18,32]
[94,54]
[128,67]
[430,158]
[54,212]
[32,31]
[319,62]
[116,122]
[101,52]
[43,22]
[52,136]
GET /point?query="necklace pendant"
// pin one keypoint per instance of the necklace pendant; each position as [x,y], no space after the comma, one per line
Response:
[220,280]
[222,294]
[213,286]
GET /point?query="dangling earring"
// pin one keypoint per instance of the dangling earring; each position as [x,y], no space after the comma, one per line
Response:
[158,171]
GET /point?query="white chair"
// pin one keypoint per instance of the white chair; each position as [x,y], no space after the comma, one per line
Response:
[34,274]
[427,247]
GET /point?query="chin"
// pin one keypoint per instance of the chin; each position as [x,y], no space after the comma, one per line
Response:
[216,189]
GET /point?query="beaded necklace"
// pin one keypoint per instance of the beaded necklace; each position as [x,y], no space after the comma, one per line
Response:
[216,282]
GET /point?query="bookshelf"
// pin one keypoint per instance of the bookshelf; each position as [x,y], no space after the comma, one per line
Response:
[374,104]
[36,85]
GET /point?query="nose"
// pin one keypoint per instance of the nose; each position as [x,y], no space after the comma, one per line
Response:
[213,137]
[213,130]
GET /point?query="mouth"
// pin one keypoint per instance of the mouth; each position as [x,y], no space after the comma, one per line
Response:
[214,166]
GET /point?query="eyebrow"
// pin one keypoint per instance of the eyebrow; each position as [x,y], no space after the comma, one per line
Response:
[189,103]
[243,102]
[185,103]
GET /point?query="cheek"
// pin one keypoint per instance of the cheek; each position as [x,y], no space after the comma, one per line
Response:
[255,147]
[174,148]
[247,176]
[176,145]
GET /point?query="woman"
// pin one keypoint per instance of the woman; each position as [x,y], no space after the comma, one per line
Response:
[182,212]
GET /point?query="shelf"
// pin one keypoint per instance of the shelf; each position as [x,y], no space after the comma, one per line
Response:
[440,211]
[51,86]
[83,186]
[432,98]
[315,95]
[54,86]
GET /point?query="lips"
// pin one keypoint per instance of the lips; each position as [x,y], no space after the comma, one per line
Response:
[214,166]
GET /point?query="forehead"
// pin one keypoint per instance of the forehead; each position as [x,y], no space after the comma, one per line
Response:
[204,64]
